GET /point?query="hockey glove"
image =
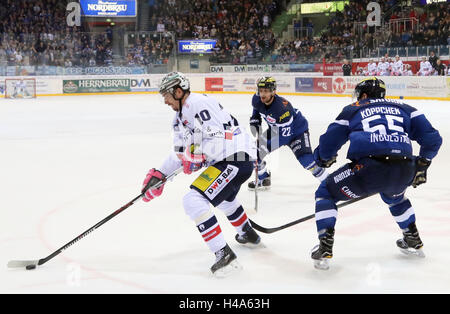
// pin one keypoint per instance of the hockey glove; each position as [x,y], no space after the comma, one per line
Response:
[255,126]
[153,177]
[422,165]
[321,162]
[192,161]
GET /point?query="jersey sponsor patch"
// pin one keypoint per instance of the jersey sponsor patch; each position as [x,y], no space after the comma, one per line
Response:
[206,178]
[342,175]
[284,115]
[347,192]
[270,119]
[212,181]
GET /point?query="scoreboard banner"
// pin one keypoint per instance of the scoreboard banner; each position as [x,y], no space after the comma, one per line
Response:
[197,46]
[107,8]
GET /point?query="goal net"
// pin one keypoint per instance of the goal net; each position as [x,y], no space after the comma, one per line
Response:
[20,88]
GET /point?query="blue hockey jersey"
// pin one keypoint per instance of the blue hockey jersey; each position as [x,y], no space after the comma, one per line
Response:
[379,127]
[280,113]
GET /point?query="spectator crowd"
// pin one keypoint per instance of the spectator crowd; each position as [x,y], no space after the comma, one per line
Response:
[36,33]
[146,49]
[242,28]
[347,34]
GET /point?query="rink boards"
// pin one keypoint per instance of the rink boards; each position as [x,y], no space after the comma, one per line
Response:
[308,84]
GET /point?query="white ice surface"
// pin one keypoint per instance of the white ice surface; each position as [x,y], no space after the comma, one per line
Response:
[68,162]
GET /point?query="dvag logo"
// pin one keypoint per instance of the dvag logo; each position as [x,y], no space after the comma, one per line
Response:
[142,83]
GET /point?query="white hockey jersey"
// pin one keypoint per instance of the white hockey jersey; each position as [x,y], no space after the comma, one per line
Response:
[383,68]
[20,85]
[398,66]
[372,68]
[407,72]
[425,68]
[214,132]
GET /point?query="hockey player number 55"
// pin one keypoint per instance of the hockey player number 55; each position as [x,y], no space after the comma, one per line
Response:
[380,127]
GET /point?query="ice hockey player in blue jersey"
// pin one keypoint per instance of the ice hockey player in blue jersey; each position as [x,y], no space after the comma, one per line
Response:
[380,132]
[287,126]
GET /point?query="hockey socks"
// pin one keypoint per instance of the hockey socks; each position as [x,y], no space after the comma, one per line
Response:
[318,172]
[401,209]
[212,233]
[307,162]
[238,219]
[326,214]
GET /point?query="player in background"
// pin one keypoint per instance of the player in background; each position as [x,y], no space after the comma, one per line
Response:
[425,67]
[383,67]
[397,66]
[391,65]
[407,70]
[206,135]
[371,67]
[287,127]
[380,133]
[20,89]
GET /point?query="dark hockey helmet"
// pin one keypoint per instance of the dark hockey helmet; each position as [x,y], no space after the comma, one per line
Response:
[266,82]
[173,80]
[372,87]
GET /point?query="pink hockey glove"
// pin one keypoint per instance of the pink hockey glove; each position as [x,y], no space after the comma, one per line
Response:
[192,162]
[153,177]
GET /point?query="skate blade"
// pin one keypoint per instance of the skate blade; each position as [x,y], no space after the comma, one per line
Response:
[322,264]
[230,269]
[413,252]
[261,188]
[252,245]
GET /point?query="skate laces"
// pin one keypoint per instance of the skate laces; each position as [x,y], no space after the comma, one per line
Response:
[220,254]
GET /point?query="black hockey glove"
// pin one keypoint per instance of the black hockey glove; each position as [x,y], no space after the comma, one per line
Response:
[321,162]
[255,126]
[422,165]
[327,163]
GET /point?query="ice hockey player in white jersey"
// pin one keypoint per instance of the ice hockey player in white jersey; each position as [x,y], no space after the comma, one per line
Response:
[391,65]
[407,70]
[397,66]
[20,89]
[206,135]
[425,67]
[371,68]
[383,67]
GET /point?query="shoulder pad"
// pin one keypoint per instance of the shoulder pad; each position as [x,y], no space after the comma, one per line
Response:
[282,100]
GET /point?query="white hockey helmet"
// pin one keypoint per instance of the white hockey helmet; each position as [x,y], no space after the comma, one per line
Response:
[173,80]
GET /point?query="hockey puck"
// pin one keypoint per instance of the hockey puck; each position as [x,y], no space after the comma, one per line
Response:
[29,267]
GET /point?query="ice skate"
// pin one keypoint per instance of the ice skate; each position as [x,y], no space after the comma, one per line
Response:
[323,252]
[250,238]
[263,182]
[411,244]
[226,263]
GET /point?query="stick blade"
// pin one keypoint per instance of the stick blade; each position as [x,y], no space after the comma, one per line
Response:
[22,264]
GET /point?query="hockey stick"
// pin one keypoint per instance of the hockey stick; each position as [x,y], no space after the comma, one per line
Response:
[31,264]
[256,170]
[275,229]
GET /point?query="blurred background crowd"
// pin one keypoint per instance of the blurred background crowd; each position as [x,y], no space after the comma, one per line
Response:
[247,32]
